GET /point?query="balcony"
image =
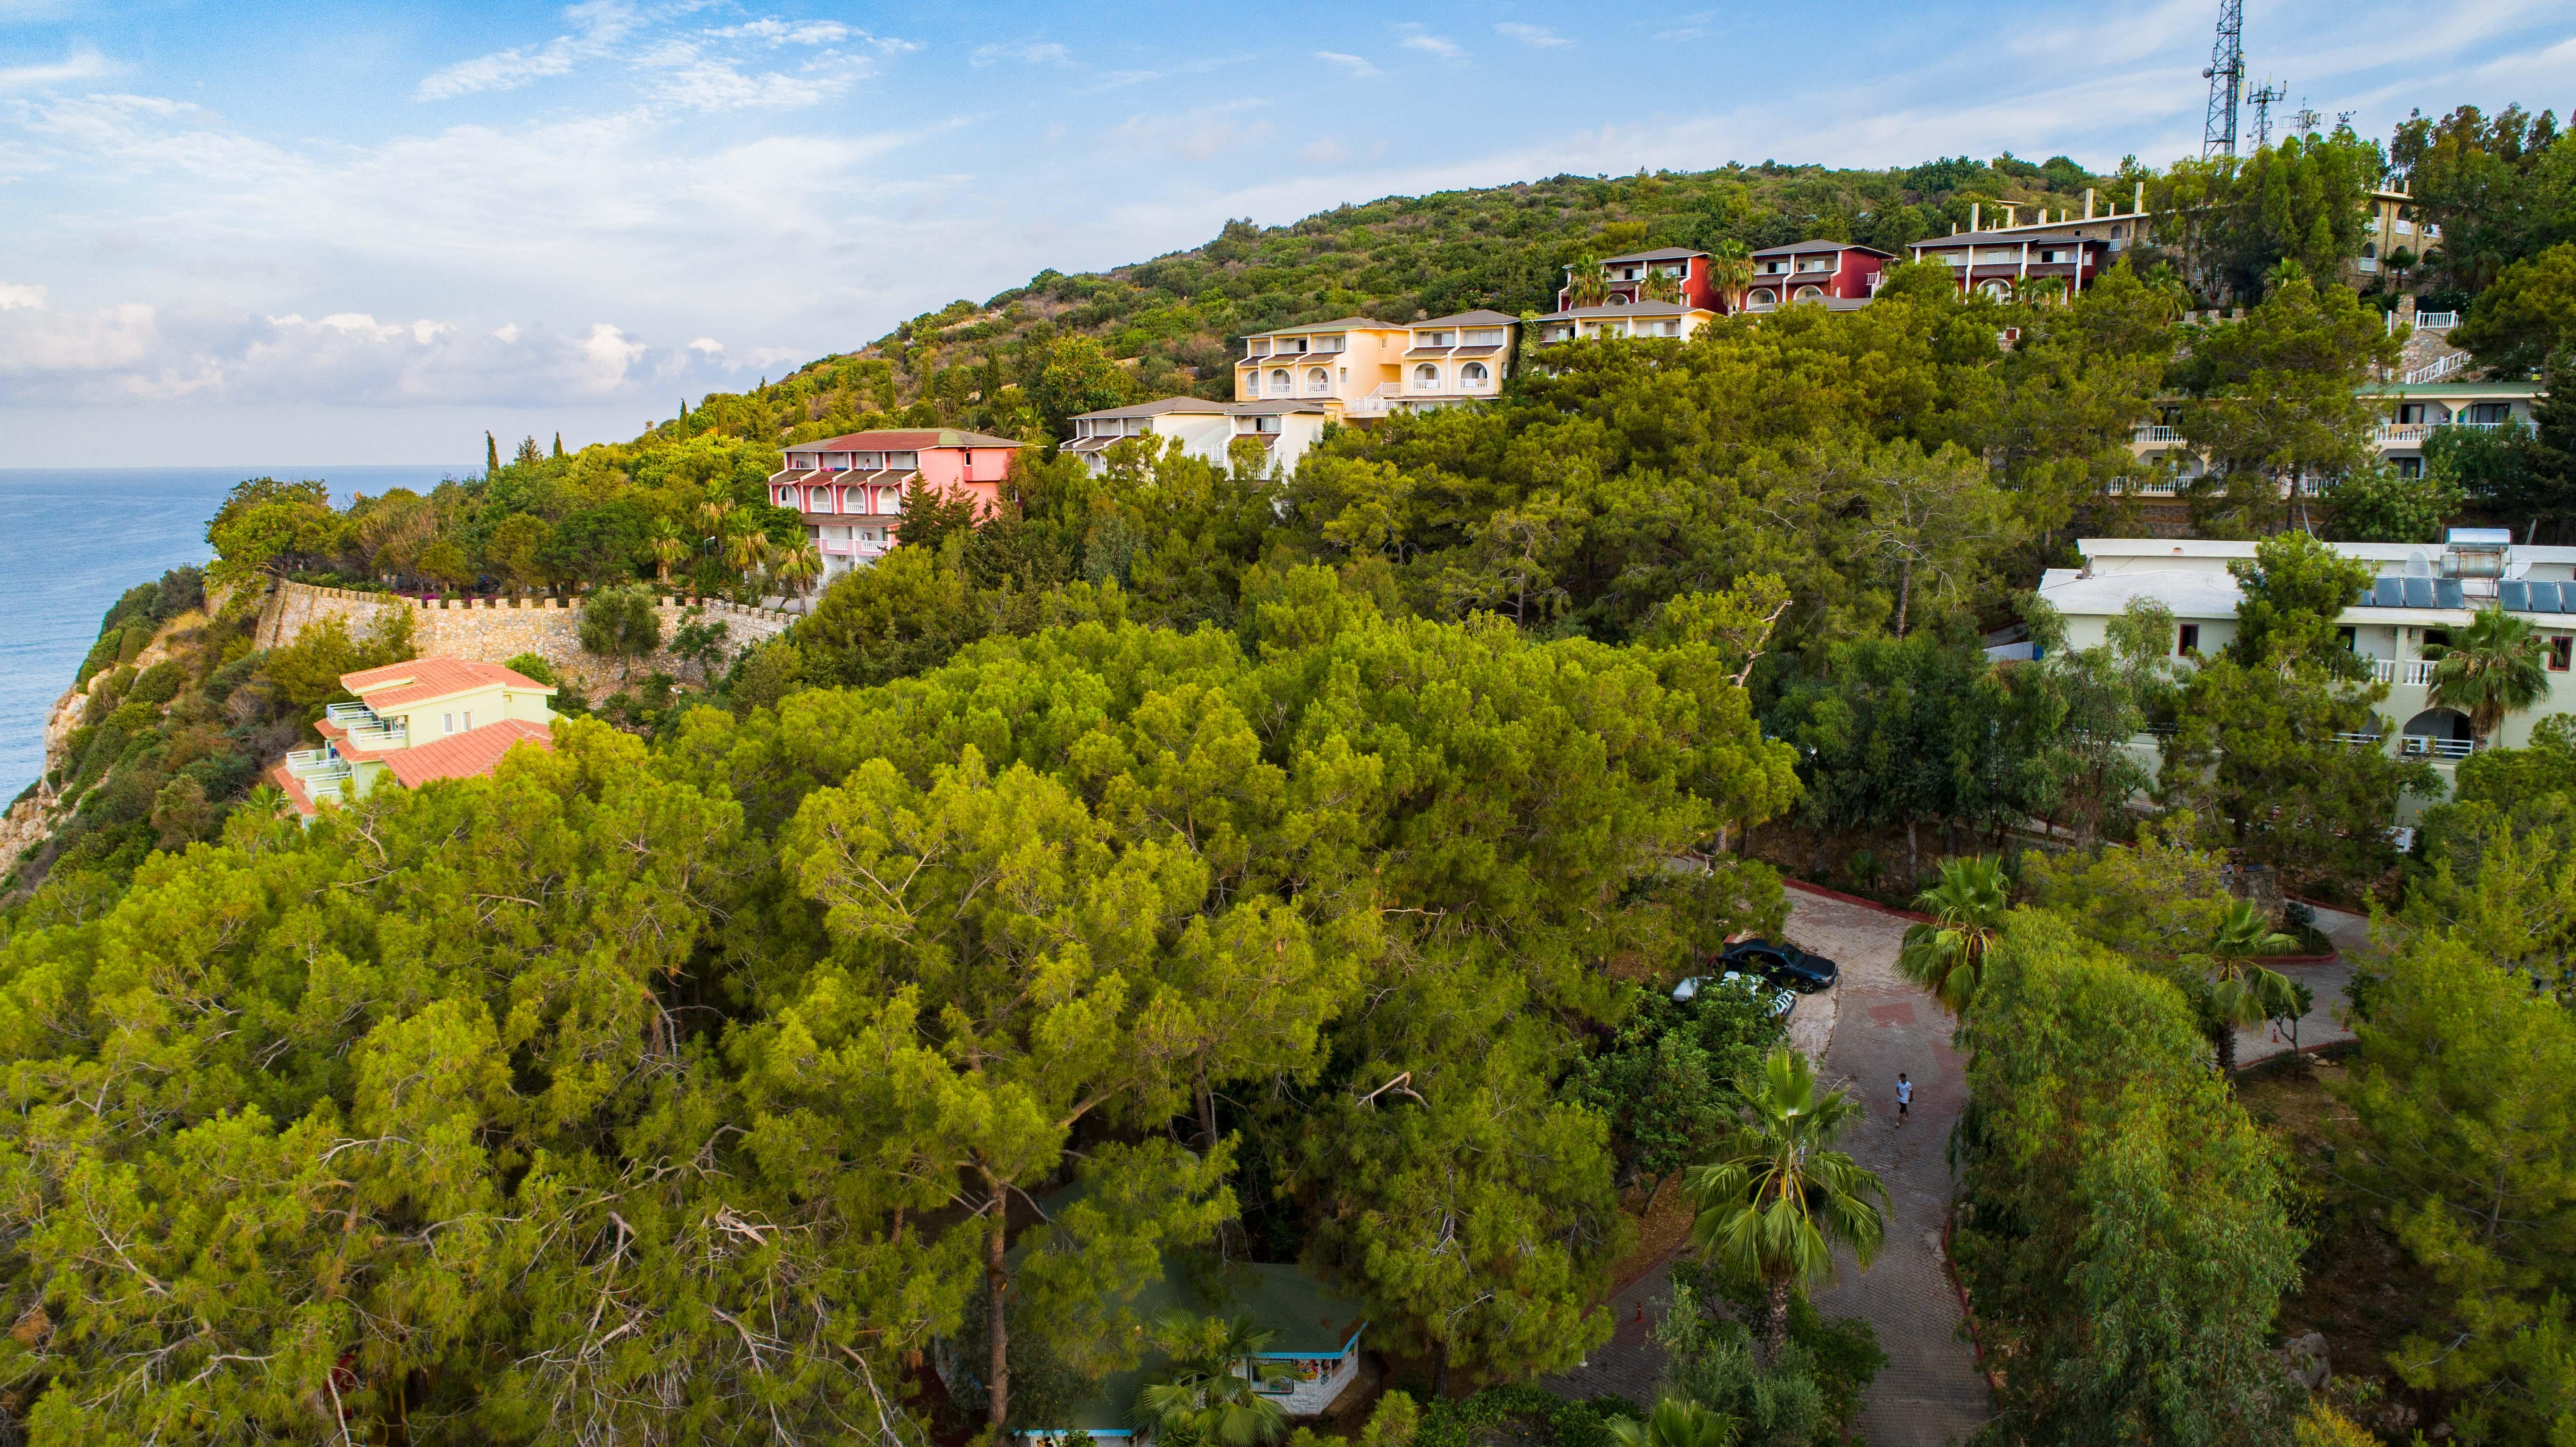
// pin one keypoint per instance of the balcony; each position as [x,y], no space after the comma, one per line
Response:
[2413,672]
[2413,434]
[1376,404]
[2423,746]
[2152,435]
[2436,321]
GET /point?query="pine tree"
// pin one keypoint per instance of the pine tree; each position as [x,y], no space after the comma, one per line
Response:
[558,444]
[491,455]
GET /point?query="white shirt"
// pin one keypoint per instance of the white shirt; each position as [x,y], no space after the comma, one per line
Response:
[1905,1092]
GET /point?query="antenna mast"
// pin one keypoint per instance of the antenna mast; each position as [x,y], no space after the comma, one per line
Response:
[2226,76]
[2262,101]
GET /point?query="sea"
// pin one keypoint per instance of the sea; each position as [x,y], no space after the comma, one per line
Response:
[73,539]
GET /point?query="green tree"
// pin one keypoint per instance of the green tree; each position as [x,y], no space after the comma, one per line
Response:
[624,623]
[2528,314]
[2463,1104]
[1073,375]
[1779,1201]
[1676,1422]
[2127,1226]
[2277,397]
[1948,955]
[2241,990]
[2379,505]
[1210,1392]
[2493,667]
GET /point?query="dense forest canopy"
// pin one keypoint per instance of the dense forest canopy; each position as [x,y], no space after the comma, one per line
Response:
[1191,863]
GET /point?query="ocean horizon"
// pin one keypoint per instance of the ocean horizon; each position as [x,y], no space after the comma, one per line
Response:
[75,538]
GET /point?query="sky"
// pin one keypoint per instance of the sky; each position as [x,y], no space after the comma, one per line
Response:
[313,233]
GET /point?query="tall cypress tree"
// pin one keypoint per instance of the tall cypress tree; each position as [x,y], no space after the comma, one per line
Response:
[491,455]
[2553,445]
[558,444]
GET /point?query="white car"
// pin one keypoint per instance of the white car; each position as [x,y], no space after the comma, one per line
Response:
[1778,1002]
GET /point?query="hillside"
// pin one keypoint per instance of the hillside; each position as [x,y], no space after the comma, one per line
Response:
[1168,326]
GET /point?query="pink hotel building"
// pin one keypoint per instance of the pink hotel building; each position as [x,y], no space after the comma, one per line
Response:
[850,488]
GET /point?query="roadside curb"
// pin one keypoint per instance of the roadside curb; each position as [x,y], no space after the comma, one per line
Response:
[1817,889]
[1967,1313]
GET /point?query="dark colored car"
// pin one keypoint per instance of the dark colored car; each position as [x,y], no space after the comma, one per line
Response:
[1782,964]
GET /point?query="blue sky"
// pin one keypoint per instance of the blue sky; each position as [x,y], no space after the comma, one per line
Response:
[309,234]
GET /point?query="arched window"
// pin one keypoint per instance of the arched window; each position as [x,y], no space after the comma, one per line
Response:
[1762,296]
[1426,378]
[1808,293]
[1281,386]
[1997,288]
[2370,251]
[1472,375]
[1318,383]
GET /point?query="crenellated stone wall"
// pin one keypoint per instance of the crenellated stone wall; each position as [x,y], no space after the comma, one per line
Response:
[496,630]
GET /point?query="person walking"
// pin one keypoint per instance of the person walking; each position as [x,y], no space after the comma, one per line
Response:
[1904,1096]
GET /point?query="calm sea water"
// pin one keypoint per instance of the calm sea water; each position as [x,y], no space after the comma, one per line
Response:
[73,539]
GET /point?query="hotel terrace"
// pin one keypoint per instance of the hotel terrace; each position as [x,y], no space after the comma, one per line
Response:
[415,722]
[1208,431]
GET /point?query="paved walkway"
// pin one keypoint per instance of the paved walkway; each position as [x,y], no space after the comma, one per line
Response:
[1931,1392]
[2351,936]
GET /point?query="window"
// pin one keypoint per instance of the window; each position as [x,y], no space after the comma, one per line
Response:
[1672,329]
[1280,386]
[469,721]
[2562,649]
[1317,382]
[447,723]
[1762,296]
[1472,375]
[902,461]
[2410,467]
[1346,373]
[1427,377]
[2349,638]
[2187,638]
[1809,293]
[2489,414]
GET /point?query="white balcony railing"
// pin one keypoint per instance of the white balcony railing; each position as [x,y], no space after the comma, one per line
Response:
[2413,672]
[1376,404]
[2365,263]
[2424,746]
[2437,369]
[2156,434]
[2436,321]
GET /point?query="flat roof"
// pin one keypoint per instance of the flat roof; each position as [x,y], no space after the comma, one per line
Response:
[2372,552]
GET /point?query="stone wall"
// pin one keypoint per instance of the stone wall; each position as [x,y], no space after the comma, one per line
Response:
[496,630]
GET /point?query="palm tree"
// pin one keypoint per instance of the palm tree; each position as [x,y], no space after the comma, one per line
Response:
[1776,1205]
[1210,1389]
[715,512]
[2492,668]
[1661,284]
[1587,284]
[746,551]
[1948,956]
[1676,1422]
[2241,991]
[1730,270]
[798,566]
[668,548]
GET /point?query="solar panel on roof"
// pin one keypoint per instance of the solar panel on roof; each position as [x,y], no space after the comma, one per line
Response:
[2419,593]
[2388,593]
[2450,593]
[2547,597]
[2513,596]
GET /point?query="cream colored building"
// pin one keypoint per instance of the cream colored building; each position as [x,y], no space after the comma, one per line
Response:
[1645,319]
[2410,414]
[1373,367]
[430,718]
[1207,430]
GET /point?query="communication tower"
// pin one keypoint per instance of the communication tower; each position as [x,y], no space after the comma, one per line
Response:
[2226,76]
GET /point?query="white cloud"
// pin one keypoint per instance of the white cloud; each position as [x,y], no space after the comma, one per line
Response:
[1199,135]
[781,32]
[506,332]
[81,62]
[1439,47]
[1532,35]
[597,25]
[1355,66]
[14,295]
[1033,52]
[708,345]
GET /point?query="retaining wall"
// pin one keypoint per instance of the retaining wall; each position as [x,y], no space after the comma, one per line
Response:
[496,630]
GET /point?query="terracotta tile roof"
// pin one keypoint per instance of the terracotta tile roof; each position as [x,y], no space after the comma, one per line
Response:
[397,684]
[1818,245]
[1478,318]
[1660,253]
[293,788]
[901,440]
[465,755]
